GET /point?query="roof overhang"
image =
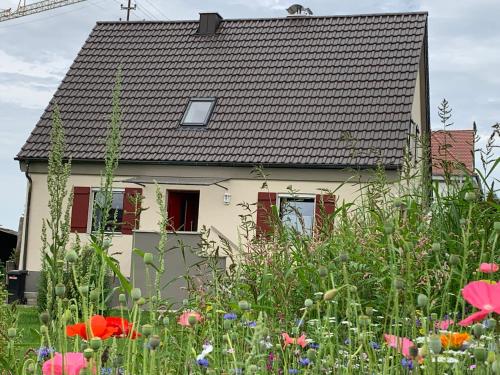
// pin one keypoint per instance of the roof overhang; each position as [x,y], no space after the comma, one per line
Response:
[176,180]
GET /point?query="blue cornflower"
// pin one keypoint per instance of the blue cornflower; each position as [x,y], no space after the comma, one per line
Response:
[314,345]
[230,316]
[418,323]
[347,342]
[203,362]
[293,371]
[106,371]
[251,324]
[407,363]
[44,352]
[305,361]
[374,345]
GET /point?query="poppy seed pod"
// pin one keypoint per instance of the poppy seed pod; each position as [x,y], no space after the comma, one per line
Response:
[480,354]
[422,300]
[308,302]
[244,305]
[330,294]
[136,294]
[435,344]
[228,324]
[192,320]
[148,259]
[94,295]
[122,298]
[399,283]
[141,301]
[369,311]
[491,357]
[470,196]
[154,342]
[11,332]
[364,320]
[44,317]
[147,330]
[43,329]
[463,222]
[454,259]
[60,290]
[166,321]
[88,353]
[491,324]
[84,289]
[323,271]
[95,343]
[344,257]
[478,330]
[71,256]
[496,226]
[436,247]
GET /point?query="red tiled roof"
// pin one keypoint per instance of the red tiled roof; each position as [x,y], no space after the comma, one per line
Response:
[453,150]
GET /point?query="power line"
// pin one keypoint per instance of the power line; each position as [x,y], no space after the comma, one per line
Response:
[156,9]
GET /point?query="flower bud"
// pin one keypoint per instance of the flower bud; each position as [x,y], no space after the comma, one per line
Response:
[480,354]
[491,357]
[185,302]
[66,316]
[166,321]
[71,256]
[323,271]
[60,290]
[344,257]
[94,295]
[454,259]
[308,302]
[369,311]
[244,305]
[147,330]
[44,317]
[470,196]
[122,298]
[435,344]
[148,258]
[228,324]
[154,342]
[491,324]
[88,353]
[496,227]
[44,329]
[141,301]
[192,320]
[84,289]
[399,283]
[364,320]
[95,343]
[136,294]
[11,332]
[478,330]
[330,294]
[436,247]
[422,300]
[388,228]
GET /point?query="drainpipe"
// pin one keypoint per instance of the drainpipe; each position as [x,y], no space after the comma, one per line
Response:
[27,215]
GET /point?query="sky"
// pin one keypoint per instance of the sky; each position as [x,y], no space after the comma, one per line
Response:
[36,52]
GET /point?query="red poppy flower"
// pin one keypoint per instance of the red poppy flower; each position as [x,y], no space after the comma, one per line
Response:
[103,327]
[485,297]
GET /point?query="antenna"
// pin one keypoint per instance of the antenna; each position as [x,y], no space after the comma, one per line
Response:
[129,7]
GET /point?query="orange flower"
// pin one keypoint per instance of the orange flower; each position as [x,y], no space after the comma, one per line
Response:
[454,340]
[184,318]
[102,327]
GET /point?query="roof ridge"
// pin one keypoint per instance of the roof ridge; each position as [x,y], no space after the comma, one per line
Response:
[387,14]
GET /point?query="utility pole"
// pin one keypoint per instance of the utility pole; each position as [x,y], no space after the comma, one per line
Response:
[129,7]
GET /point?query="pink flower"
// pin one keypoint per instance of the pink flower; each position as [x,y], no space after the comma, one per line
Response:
[444,324]
[184,318]
[73,363]
[402,344]
[488,267]
[484,296]
[292,341]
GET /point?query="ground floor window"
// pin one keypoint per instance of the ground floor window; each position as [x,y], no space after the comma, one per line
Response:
[182,207]
[115,216]
[297,212]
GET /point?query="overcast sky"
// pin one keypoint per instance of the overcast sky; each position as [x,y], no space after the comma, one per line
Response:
[36,51]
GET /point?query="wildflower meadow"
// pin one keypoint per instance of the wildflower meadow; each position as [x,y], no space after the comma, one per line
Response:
[405,280]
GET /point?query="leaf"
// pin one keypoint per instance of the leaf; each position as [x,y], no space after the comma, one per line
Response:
[114,267]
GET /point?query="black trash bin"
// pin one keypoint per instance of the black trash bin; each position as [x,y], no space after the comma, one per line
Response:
[15,285]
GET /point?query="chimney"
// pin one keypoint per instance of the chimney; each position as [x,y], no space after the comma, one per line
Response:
[209,22]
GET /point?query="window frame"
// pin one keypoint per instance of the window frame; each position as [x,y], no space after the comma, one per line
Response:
[298,196]
[90,218]
[183,122]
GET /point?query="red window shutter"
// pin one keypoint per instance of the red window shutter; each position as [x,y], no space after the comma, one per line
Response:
[265,201]
[325,205]
[80,209]
[131,213]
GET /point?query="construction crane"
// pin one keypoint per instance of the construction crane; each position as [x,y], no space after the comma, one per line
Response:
[37,7]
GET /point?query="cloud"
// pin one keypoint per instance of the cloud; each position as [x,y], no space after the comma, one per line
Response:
[47,66]
[26,95]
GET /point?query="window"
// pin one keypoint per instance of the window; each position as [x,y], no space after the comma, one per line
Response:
[198,111]
[115,216]
[182,208]
[297,213]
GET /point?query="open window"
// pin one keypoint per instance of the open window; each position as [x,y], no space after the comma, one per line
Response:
[183,207]
[198,112]
[297,213]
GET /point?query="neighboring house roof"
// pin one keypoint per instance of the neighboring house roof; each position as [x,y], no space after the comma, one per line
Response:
[8,231]
[452,151]
[299,91]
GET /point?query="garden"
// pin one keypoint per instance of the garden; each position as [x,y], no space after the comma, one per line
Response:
[394,283]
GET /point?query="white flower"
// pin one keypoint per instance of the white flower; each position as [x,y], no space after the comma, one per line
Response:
[207,349]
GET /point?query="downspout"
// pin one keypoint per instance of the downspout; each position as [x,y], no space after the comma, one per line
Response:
[27,215]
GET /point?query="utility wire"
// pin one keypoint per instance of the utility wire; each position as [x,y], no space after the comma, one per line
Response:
[155,8]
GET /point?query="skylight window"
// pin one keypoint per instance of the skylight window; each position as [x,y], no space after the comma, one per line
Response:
[198,111]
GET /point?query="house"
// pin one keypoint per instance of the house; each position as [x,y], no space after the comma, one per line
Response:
[8,243]
[452,159]
[313,100]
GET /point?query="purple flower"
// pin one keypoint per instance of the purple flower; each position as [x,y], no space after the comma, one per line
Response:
[203,362]
[293,371]
[304,361]
[44,352]
[251,324]
[314,345]
[230,316]
[407,363]
[347,342]
[374,345]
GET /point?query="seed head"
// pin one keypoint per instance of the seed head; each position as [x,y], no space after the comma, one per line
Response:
[11,332]
[148,259]
[122,298]
[454,259]
[422,300]
[141,301]
[480,354]
[147,330]
[308,302]
[44,317]
[330,294]
[470,196]
[323,271]
[94,295]
[478,330]
[95,343]
[154,342]
[83,289]
[60,290]
[399,283]
[436,247]
[136,294]
[244,305]
[71,256]
[88,353]
[435,344]
[344,257]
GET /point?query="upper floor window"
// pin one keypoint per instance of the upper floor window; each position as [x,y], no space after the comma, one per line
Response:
[198,111]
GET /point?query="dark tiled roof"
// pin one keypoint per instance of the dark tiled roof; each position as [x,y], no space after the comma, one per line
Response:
[452,150]
[319,91]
